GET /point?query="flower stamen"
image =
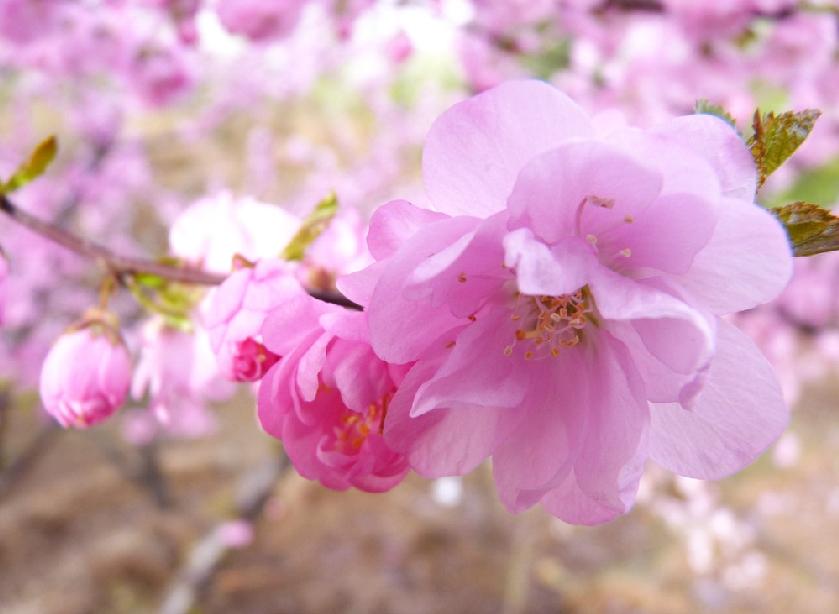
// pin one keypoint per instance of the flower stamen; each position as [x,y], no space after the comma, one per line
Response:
[548,324]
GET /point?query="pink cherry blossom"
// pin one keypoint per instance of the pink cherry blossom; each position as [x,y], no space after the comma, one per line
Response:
[328,398]
[260,20]
[216,228]
[235,312]
[561,304]
[86,376]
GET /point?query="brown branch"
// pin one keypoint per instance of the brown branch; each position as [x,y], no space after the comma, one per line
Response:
[121,265]
[255,490]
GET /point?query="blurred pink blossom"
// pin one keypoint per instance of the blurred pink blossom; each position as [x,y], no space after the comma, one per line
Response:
[178,372]
[216,228]
[260,20]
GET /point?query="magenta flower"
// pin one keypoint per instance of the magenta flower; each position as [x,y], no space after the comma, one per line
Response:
[328,397]
[561,306]
[235,312]
[86,376]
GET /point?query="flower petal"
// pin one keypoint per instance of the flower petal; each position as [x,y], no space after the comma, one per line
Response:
[477,373]
[544,441]
[474,151]
[581,188]
[443,442]
[394,223]
[724,149]
[737,415]
[747,261]
[562,269]
[674,332]
[400,326]
[612,456]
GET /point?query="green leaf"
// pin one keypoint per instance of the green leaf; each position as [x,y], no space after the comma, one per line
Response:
[811,229]
[312,227]
[150,280]
[34,167]
[777,136]
[706,107]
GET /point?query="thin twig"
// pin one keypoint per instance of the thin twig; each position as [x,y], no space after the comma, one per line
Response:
[194,577]
[121,265]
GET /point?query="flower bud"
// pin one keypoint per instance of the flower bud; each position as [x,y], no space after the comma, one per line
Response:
[86,375]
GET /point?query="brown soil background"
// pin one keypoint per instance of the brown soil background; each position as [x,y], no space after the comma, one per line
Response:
[77,537]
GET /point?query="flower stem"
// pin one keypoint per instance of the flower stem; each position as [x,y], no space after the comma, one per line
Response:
[121,266]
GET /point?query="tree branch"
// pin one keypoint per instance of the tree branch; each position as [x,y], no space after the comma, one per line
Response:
[255,489]
[121,265]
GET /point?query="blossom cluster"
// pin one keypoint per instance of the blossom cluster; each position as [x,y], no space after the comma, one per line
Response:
[555,305]
[556,297]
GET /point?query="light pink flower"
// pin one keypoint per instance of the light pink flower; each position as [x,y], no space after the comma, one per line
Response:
[328,397]
[178,372]
[260,20]
[214,229]
[86,375]
[561,304]
[234,314]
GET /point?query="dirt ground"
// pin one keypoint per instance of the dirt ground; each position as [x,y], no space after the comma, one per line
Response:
[77,536]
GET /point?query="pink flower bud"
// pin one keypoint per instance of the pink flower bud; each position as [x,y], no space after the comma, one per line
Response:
[86,376]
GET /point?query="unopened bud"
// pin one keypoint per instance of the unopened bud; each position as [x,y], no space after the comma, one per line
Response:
[86,375]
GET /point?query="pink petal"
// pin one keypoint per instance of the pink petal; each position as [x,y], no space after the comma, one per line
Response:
[562,269]
[570,504]
[719,143]
[581,188]
[544,441]
[401,328]
[736,416]
[747,261]
[674,332]
[475,150]
[286,326]
[612,456]
[666,236]
[466,274]
[359,285]
[443,442]
[394,223]
[683,170]
[477,373]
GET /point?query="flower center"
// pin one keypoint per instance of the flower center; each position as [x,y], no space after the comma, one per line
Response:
[354,427]
[549,324]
